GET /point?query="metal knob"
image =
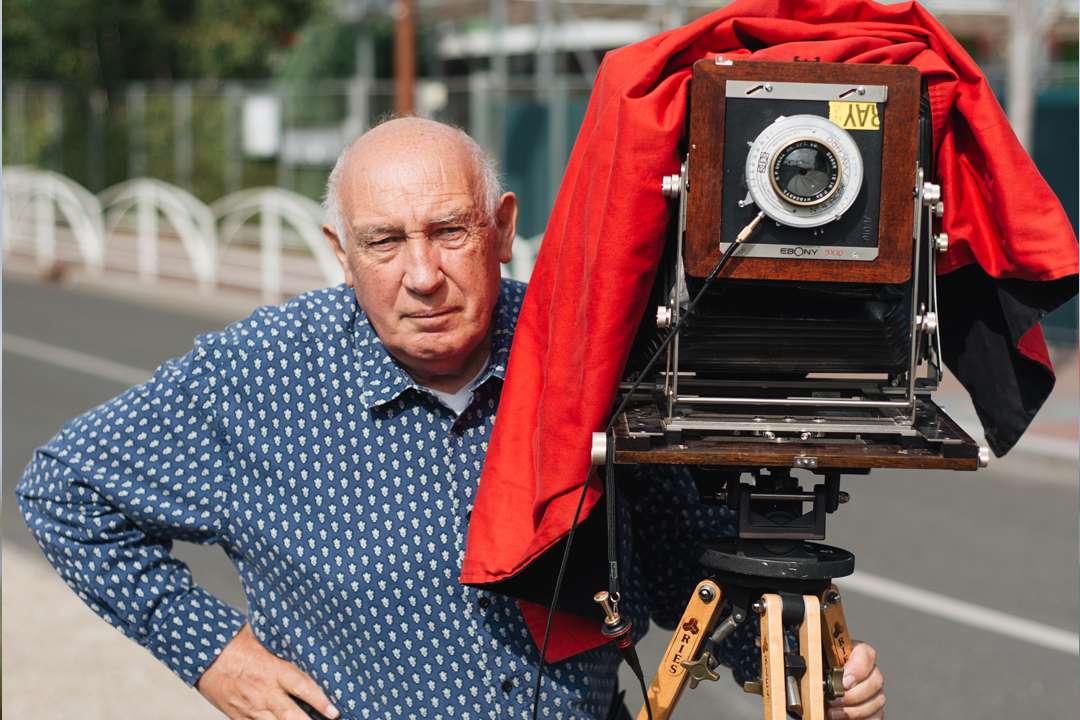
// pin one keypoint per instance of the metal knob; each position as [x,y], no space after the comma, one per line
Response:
[671,186]
[598,455]
[984,456]
[927,323]
[931,194]
[663,317]
[939,209]
[941,242]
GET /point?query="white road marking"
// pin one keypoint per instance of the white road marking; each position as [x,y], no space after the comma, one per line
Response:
[962,612]
[125,375]
[863,583]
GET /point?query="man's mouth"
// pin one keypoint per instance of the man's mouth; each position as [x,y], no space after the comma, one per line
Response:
[429,314]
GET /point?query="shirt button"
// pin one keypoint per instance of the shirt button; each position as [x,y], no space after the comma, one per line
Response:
[507,685]
[484,602]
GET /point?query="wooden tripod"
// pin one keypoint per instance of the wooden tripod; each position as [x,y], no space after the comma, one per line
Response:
[796,682]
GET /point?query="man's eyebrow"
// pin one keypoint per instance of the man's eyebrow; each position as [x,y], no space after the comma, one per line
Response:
[368,232]
[457,217]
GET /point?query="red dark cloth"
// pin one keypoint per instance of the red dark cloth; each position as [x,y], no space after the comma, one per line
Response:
[606,232]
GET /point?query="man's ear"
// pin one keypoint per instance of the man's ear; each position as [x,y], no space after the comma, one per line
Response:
[506,225]
[338,247]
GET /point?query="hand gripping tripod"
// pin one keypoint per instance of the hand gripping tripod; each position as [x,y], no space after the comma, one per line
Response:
[773,571]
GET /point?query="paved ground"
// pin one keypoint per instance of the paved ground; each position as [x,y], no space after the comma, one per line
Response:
[998,547]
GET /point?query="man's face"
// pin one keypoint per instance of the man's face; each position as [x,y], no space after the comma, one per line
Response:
[421,254]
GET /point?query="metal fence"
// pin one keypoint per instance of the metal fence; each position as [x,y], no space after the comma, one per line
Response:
[212,140]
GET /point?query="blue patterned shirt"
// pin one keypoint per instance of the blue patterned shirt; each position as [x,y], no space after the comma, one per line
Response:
[341,490]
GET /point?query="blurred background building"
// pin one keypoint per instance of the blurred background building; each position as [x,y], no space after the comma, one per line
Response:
[212,100]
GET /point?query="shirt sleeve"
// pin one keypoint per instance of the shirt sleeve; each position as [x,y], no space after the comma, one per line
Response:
[670,524]
[107,496]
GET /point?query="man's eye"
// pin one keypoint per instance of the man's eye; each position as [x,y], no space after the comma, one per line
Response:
[450,233]
[382,243]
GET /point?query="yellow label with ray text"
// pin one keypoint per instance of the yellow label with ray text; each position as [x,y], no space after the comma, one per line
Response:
[855,115]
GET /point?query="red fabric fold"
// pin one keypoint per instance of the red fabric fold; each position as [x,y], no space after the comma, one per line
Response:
[606,232]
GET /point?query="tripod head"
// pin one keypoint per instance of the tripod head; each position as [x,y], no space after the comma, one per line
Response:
[775,518]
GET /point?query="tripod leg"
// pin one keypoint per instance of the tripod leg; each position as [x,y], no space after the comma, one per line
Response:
[837,639]
[811,685]
[697,622]
[773,677]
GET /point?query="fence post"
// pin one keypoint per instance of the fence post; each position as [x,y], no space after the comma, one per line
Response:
[44,228]
[233,158]
[359,91]
[270,251]
[97,147]
[147,235]
[136,116]
[183,140]
[54,124]
[557,135]
[480,114]
[16,122]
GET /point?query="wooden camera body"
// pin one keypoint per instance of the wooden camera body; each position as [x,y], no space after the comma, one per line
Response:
[822,327]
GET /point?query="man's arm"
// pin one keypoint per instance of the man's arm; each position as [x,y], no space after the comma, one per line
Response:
[110,493]
[106,497]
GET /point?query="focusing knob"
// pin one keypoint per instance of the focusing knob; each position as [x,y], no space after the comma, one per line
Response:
[941,242]
[927,322]
[939,209]
[931,194]
[663,317]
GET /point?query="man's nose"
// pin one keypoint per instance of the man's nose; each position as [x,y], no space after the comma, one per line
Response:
[423,270]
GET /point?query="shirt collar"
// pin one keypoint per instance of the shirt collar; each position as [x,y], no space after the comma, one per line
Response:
[383,379]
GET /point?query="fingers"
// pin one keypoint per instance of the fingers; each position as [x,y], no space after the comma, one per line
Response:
[874,709]
[865,691]
[859,665]
[297,683]
[863,684]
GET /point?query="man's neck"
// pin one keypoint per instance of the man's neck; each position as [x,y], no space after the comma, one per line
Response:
[455,380]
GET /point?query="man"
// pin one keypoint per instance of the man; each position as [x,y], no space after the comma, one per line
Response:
[331,446]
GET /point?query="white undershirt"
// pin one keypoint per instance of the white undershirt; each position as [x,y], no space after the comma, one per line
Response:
[457,401]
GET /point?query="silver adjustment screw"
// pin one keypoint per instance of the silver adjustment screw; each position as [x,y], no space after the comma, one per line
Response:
[984,456]
[768,87]
[706,594]
[671,186]
[939,209]
[929,323]
[931,194]
[598,452]
[663,317]
[941,242]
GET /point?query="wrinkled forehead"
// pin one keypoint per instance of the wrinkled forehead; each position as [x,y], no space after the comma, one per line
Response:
[408,183]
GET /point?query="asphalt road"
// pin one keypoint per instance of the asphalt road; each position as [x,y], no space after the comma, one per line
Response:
[986,562]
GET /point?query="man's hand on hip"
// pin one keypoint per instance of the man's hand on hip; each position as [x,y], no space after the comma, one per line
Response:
[248,682]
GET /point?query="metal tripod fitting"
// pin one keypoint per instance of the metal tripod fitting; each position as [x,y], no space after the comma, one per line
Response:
[598,453]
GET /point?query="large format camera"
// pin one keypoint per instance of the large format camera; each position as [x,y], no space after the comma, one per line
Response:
[795,330]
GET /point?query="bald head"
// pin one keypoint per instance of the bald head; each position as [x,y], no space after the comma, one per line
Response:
[410,137]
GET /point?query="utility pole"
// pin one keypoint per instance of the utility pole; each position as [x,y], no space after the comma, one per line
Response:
[404,56]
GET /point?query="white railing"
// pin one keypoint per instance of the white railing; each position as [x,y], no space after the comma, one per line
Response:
[189,217]
[32,199]
[215,243]
[273,207]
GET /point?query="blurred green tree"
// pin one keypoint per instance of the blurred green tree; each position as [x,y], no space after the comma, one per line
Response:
[109,43]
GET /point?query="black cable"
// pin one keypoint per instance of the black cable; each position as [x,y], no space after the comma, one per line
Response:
[585,485]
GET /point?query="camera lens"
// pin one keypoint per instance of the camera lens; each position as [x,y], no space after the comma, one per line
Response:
[805,172]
